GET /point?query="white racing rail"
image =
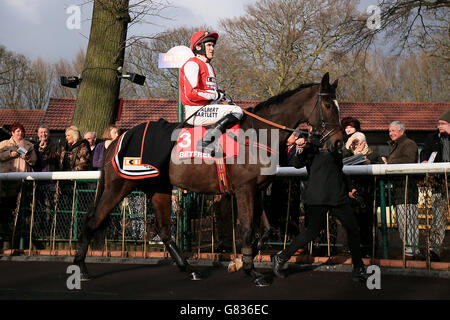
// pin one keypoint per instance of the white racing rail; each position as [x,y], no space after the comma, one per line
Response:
[377,169]
[371,169]
[56,175]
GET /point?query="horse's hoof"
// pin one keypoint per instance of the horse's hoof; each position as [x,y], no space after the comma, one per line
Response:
[85,277]
[195,276]
[261,282]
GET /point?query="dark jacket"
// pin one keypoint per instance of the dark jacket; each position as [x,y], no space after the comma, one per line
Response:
[97,160]
[327,184]
[43,164]
[432,144]
[403,150]
[76,157]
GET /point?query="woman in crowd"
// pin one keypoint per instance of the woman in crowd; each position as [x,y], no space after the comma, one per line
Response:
[350,126]
[109,135]
[75,155]
[16,155]
[363,204]
[357,144]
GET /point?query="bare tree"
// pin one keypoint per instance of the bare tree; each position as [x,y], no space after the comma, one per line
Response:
[283,41]
[406,25]
[98,98]
[377,77]
[65,68]
[13,72]
[143,59]
[38,84]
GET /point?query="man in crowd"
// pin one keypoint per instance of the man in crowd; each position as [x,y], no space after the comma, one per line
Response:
[404,150]
[437,149]
[43,164]
[91,137]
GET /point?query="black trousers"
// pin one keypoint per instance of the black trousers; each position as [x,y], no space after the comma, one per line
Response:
[317,216]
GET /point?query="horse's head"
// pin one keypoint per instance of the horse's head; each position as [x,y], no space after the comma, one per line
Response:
[323,114]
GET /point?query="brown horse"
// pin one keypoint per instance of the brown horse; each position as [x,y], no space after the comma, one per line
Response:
[312,103]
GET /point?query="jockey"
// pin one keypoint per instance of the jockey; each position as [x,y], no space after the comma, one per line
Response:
[199,92]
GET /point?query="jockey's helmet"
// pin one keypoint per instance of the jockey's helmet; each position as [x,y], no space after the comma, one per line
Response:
[200,38]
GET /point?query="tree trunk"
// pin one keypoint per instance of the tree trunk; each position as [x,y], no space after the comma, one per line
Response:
[98,98]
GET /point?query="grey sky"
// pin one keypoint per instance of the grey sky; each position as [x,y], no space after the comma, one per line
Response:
[37,28]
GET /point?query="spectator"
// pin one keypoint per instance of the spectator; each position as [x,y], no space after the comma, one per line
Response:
[110,134]
[437,144]
[401,148]
[16,155]
[350,126]
[91,137]
[290,145]
[363,204]
[357,144]
[404,150]
[45,189]
[438,141]
[43,164]
[75,155]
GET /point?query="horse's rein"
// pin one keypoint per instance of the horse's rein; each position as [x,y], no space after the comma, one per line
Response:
[276,125]
[328,135]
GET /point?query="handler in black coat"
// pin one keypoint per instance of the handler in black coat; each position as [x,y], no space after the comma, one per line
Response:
[327,190]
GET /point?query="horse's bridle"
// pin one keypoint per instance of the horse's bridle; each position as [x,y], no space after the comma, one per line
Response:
[325,135]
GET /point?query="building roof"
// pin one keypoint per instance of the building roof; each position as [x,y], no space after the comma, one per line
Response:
[374,116]
[136,111]
[378,115]
[60,113]
[30,119]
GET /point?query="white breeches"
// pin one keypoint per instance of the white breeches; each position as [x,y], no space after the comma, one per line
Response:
[211,113]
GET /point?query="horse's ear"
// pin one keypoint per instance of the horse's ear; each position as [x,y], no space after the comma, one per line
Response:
[335,83]
[325,81]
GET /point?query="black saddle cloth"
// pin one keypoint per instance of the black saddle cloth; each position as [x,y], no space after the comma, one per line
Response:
[144,151]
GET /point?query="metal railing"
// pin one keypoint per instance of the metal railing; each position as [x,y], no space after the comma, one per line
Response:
[410,206]
[50,206]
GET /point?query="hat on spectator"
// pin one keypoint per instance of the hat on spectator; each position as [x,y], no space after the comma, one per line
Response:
[350,121]
[445,116]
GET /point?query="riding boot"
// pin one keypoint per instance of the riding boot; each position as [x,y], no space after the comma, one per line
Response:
[359,274]
[209,143]
[279,263]
[181,261]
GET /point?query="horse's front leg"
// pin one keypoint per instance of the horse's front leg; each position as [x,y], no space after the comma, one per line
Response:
[245,197]
[162,203]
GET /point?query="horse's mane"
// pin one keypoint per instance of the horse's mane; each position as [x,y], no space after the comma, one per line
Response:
[282,96]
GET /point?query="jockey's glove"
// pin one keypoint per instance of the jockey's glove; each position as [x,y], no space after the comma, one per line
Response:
[220,94]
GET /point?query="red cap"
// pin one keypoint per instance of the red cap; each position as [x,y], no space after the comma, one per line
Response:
[200,35]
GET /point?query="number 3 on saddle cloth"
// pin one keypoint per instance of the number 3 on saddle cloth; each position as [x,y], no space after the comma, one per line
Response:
[186,149]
